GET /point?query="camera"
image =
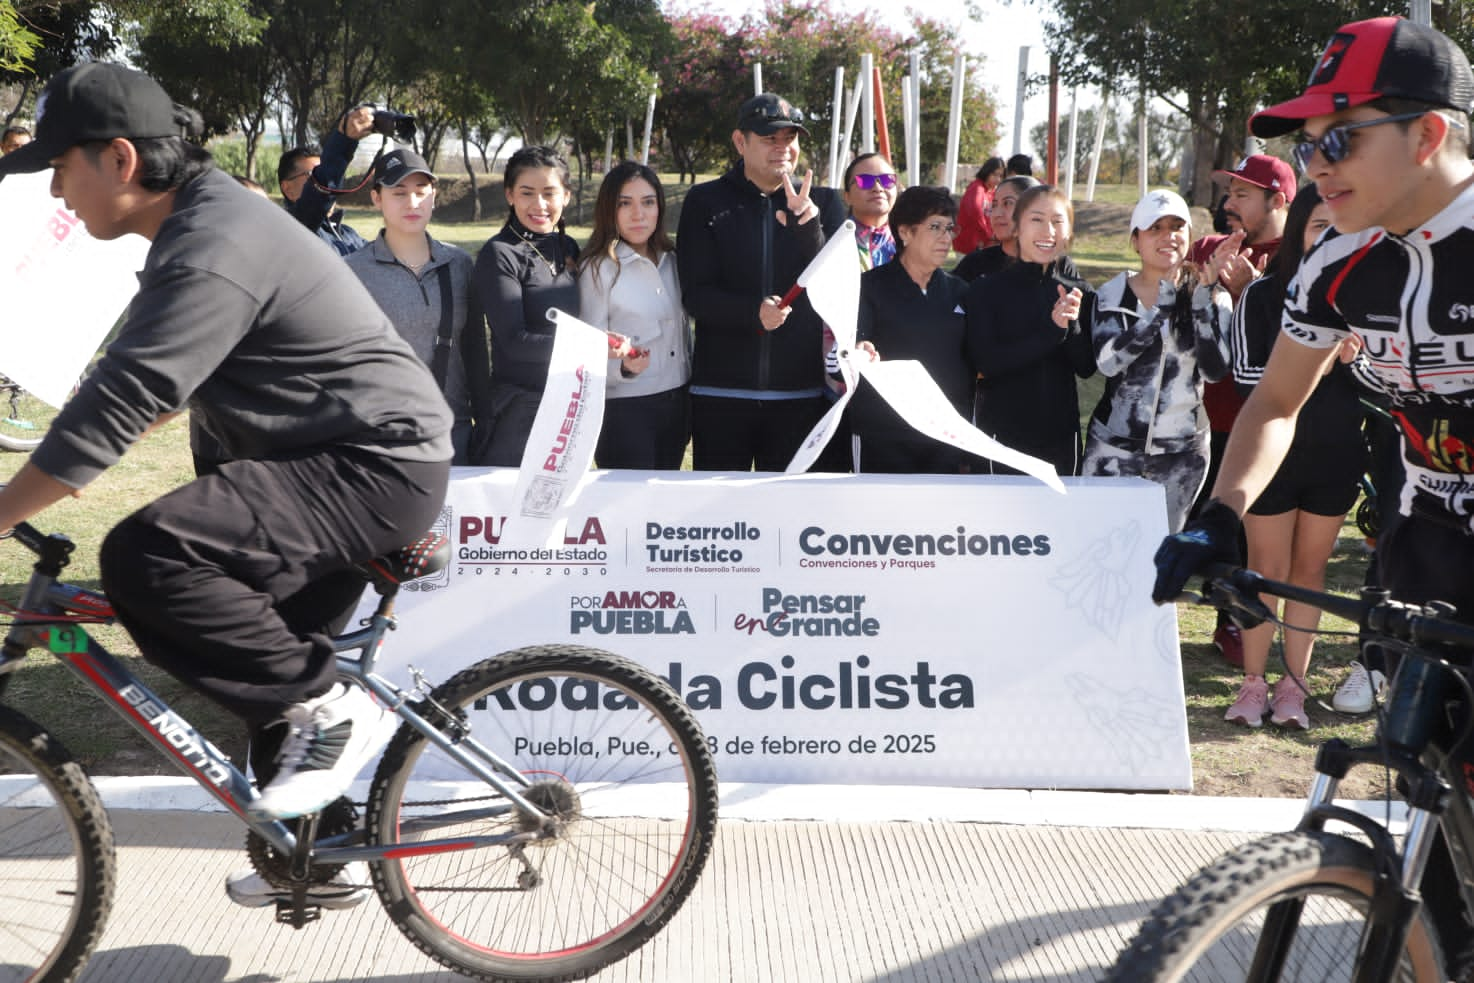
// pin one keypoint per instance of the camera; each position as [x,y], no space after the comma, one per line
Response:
[400,126]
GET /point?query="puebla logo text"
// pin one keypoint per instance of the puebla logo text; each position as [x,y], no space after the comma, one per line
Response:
[630,612]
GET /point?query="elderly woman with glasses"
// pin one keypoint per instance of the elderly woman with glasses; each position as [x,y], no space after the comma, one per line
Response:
[911,309]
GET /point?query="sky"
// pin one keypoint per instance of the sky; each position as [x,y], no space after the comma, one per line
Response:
[1004,28]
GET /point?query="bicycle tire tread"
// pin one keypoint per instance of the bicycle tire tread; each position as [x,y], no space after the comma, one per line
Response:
[551,658]
[97,847]
[1209,896]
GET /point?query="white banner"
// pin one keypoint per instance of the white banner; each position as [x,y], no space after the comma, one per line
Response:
[969,631]
[63,289]
[560,447]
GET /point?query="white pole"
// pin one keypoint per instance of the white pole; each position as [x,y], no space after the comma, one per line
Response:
[1141,144]
[1420,12]
[1074,129]
[913,132]
[649,119]
[1018,102]
[867,104]
[954,122]
[609,150]
[629,139]
[1100,121]
[907,125]
[851,110]
[757,78]
[836,118]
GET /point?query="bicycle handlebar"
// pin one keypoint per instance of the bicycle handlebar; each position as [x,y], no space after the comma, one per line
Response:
[1236,588]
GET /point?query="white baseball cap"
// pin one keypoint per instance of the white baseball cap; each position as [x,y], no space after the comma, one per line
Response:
[1156,204]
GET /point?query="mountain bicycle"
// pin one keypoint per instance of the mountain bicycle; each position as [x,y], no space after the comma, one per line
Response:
[26,417]
[538,816]
[1366,905]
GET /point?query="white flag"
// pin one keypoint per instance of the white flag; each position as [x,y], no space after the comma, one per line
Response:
[63,289]
[832,279]
[564,433]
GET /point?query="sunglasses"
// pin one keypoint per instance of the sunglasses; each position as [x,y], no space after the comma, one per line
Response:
[1335,143]
[867,181]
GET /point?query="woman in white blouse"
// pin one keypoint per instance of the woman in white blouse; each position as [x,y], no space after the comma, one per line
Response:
[627,286]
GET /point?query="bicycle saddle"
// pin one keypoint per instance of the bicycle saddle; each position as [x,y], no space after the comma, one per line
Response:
[426,555]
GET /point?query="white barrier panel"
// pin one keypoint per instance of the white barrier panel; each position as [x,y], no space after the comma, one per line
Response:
[968,631]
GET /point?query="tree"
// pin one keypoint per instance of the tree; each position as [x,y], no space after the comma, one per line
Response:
[1214,63]
[704,73]
[1165,136]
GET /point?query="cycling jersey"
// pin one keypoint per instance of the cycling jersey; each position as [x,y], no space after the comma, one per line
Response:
[1411,300]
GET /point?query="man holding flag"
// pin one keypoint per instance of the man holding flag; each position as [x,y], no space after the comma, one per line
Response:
[757,376]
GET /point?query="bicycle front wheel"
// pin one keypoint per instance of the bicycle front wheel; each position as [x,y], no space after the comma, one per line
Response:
[1209,930]
[24,419]
[57,862]
[606,748]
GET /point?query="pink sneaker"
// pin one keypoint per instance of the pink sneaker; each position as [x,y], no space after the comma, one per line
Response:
[1287,709]
[1252,702]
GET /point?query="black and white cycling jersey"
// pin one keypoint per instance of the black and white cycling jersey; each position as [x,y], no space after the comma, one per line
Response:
[1418,341]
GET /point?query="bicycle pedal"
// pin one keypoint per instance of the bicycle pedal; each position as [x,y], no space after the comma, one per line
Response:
[297,916]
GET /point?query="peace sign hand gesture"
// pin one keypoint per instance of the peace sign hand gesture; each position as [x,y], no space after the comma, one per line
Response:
[799,203]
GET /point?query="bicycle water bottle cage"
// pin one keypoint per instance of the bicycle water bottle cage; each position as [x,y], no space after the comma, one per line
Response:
[426,555]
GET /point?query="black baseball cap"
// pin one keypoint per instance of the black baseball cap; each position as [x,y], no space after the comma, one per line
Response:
[93,101]
[766,114]
[397,165]
[1385,57]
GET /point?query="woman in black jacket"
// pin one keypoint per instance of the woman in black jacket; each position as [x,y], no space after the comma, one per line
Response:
[1025,341]
[526,268]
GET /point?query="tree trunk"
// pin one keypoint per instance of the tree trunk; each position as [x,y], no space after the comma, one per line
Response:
[470,171]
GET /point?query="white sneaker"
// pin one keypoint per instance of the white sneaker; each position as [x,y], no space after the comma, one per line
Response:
[1360,691]
[349,887]
[331,738]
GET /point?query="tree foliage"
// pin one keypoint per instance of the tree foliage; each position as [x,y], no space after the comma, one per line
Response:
[1214,63]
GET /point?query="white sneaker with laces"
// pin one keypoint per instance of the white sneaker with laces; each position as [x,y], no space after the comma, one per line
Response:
[331,737]
[349,887]
[1361,689]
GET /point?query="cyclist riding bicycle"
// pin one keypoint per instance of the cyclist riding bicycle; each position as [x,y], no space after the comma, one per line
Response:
[1386,119]
[338,437]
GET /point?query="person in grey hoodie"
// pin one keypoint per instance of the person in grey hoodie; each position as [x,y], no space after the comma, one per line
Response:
[423,285]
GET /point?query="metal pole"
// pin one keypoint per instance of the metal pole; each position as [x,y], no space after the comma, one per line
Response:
[1141,144]
[757,78]
[851,110]
[1051,142]
[908,124]
[913,132]
[1074,130]
[1420,12]
[1018,103]
[954,122]
[609,150]
[867,105]
[836,118]
[1100,121]
[649,119]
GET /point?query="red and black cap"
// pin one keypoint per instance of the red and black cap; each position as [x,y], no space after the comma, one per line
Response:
[1386,57]
[93,101]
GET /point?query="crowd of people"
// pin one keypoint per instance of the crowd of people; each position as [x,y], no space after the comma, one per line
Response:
[330,397]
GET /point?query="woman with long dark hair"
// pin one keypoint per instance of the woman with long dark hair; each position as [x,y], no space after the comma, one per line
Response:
[627,285]
[526,268]
[1292,526]
[974,224]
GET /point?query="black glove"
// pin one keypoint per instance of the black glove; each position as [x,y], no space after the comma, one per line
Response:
[1213,537]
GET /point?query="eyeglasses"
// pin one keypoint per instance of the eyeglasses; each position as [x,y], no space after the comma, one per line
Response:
[1335,143]
[299,174]
[940,228]
[867,181]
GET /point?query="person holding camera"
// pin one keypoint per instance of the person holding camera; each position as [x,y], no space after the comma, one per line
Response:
[309,180]
[423,285]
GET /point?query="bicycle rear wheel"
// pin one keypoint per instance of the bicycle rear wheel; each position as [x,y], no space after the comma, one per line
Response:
[1209,929]
[613,752]
[24,419]
[57,864]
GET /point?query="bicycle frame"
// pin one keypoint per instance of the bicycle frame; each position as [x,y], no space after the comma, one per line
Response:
[49,619]
[1437,797]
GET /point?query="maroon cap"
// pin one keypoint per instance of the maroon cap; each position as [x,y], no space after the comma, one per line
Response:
[1371,59]
[1264,171]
